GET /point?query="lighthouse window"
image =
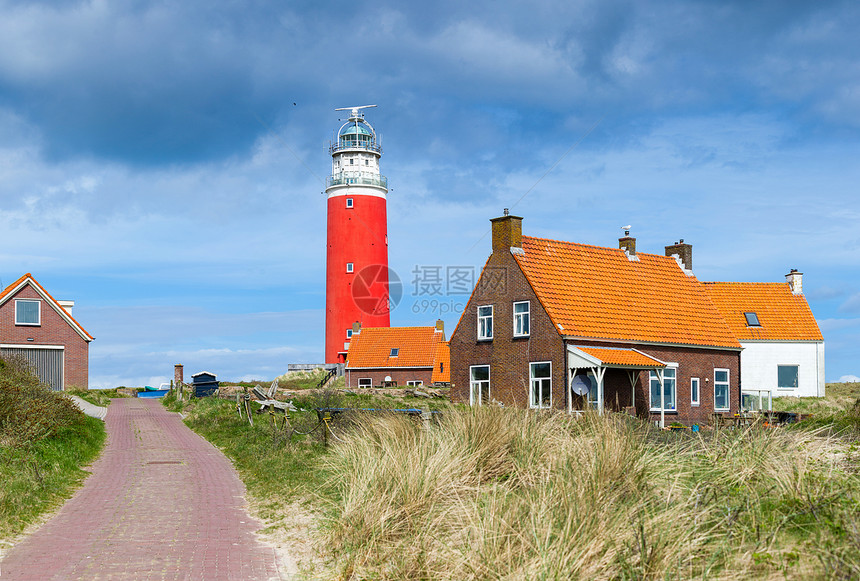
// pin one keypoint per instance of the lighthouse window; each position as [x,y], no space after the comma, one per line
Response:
[349,267]
[366,162]
[351,161]
[349,202]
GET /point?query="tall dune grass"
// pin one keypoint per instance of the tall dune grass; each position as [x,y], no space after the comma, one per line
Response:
[494,493]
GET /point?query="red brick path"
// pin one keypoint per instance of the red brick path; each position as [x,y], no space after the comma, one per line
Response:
[162,503]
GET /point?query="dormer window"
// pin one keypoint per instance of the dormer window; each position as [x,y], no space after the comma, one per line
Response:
[394,351]
[752,320]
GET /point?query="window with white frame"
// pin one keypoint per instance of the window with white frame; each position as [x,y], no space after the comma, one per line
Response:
[349,267]
[540,381]
[694,391]
[414,383]
[479,384]
[28,312]
[786,376]
[349,202]
[485,322]
[721,390]
[521,319]
[365,382]
[349,333]
[669,390]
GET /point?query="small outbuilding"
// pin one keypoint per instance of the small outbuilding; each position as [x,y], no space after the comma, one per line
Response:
[204,383]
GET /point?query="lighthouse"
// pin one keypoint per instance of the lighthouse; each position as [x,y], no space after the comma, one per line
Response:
[357,286]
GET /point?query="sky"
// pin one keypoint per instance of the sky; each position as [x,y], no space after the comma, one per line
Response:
[162,163]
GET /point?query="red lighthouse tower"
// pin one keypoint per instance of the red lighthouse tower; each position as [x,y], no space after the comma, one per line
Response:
[357,247]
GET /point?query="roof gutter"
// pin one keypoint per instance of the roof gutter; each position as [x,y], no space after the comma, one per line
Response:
[652,343]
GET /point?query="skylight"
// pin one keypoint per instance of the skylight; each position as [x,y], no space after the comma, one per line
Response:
[394,351]
[752,320]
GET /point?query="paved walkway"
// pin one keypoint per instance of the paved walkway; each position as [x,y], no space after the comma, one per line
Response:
[162,503]
[91,410]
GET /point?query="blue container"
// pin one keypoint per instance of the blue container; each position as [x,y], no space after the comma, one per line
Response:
[154,393]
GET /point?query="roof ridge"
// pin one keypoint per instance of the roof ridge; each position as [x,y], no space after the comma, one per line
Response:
[739,282]
[581,244]
[399,327]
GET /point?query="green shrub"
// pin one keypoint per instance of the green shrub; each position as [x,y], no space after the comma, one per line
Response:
[44,440]
[29,410]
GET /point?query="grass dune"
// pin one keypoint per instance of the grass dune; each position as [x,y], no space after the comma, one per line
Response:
[496,493]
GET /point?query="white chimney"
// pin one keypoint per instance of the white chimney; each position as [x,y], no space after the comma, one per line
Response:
[67,305]
[795,281]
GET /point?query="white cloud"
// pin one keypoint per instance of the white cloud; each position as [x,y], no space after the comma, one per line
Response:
[849,379]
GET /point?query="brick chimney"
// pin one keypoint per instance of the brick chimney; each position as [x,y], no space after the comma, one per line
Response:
[507,232]
[178,375]
[356,328]
[440,325]
[683,251]
[795,281]
[627,243]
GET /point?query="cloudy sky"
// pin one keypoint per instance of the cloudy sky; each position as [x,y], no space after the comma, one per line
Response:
[161,163]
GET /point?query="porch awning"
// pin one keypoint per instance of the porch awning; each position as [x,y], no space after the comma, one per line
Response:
[583,356]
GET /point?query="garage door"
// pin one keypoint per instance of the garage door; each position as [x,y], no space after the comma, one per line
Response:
[47,364]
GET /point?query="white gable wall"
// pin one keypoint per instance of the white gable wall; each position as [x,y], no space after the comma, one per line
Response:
[759,361]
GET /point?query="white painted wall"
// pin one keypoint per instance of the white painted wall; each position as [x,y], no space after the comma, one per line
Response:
[759,361]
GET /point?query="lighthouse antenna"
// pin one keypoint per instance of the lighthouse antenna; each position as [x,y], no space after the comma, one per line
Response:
[355,110]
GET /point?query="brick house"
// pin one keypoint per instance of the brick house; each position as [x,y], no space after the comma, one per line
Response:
[783,347]
[405,356]
[41,329]
[562,325]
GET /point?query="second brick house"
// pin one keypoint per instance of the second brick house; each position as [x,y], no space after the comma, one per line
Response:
[563,325]
[41,330]
[404,356]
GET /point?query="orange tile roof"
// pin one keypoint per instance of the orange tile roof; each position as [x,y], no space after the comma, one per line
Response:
[442,365]
[371,348]
[12,288]
[622,357]
[784,316]
[591,291]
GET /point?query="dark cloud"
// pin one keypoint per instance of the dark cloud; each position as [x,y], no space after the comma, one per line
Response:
[155,84]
